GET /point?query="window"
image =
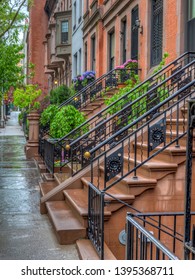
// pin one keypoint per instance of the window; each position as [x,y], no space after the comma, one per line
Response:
[75,15]
[75,65]
[156,32]
[191,26]
[64,33]
[111,50]
[80,11]
[93,53]
[191,9]
[80,71]
[134,32]
[124,39]
[86,56]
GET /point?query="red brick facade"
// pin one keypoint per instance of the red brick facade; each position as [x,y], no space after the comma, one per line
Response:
[37,30]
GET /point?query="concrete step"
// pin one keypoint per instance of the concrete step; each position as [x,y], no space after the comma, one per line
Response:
[67,227]
[173,154]
[87,251]
[131,185]
[113,195]
[61,177]
[155,169]
[77,200]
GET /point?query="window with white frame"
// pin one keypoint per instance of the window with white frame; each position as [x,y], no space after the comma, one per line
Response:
[64,31]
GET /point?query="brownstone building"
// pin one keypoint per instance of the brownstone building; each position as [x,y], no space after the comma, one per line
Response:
[49,42]
[115,31]
[35,48]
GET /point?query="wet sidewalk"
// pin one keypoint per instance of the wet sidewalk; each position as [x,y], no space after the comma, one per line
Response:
[25,234]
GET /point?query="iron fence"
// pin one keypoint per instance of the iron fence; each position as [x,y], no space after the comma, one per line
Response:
[125,110]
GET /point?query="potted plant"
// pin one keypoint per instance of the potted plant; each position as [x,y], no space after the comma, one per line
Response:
[26,99]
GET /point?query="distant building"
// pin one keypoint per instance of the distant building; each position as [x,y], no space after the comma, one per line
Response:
[77,38]
[67,37]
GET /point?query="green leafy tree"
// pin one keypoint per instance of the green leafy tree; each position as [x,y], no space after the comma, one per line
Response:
[26,96]
[10,71]
[12,16]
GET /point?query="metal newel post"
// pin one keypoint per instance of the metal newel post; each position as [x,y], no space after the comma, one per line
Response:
[188,175]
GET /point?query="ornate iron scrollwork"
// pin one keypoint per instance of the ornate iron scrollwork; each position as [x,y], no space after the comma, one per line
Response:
[124,76]
[111,81]
[178,76]
[100,132]
[76,103]
[99,87]
[93,91]
[182,84]
[152,100]
[114,164]
[156,134]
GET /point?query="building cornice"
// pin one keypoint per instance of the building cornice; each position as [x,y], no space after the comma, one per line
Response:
[93,19]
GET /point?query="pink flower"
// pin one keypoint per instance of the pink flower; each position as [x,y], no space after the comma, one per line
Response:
[120,67]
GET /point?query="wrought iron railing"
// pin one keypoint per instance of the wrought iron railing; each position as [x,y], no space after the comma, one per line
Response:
[96,219]
[104,124]
[147,137]
[156,236]
[85,96]
[94,90]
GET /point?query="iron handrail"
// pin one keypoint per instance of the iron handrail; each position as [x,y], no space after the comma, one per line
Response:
[159,245]
[74,145]
[110,72]
[145,115]
[151,78]
[85,135]
[126,107]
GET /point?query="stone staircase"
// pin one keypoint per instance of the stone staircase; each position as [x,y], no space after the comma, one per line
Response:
[98,104]
[65,199]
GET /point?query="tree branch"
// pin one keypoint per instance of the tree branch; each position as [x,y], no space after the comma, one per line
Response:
[13,19]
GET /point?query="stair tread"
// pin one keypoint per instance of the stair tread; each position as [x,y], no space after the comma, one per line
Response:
[153,163]
[46,187]
[181,150]
[62,216]
[61,177]
[87,251]
[113,191]
[79,199]
[140,180]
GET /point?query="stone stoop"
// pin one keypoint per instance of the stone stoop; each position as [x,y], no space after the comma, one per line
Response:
[86,251]
[94,106]
[67,227]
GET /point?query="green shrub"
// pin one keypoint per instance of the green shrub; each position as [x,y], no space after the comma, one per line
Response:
[60,94]
[66,119]
[48,114]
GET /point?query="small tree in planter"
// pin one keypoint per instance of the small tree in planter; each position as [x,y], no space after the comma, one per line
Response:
[26,96]
[26,99]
